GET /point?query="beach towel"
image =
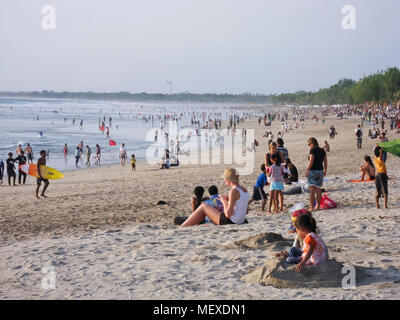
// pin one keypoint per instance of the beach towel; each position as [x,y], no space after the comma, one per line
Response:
[327,203]
[392,147]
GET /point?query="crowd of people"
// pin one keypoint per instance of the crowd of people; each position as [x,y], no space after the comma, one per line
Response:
[276,172]
[308,248]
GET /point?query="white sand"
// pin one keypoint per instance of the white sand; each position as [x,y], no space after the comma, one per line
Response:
[106,239]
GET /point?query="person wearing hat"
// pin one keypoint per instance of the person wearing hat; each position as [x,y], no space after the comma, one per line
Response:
[235,205]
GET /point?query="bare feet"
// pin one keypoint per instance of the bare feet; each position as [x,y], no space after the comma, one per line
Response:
[43,195]
[281,254]
[37,197]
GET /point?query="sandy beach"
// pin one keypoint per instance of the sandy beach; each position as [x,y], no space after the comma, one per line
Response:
[105,237]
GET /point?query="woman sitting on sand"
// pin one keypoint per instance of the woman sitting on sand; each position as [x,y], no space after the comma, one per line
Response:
[235,205]
[368,169]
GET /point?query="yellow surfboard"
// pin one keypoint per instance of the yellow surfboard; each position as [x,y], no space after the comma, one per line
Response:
[46,172]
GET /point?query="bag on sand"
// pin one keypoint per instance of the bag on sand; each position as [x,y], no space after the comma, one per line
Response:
[327,203]
[297,206]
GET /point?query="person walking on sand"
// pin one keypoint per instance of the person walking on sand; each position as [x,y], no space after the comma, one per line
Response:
[316,170]
[41,162]
[359,134]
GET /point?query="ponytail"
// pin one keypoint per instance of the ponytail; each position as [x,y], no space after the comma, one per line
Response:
[307,222]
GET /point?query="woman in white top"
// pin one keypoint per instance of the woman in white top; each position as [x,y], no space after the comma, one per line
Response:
[235,205]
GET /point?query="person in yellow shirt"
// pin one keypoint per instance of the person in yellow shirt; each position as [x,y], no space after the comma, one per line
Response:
[381,179]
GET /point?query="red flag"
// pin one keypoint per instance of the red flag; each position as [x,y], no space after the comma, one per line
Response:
[113,143]
[102,128]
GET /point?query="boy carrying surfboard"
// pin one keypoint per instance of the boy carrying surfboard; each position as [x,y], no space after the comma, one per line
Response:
[41,162]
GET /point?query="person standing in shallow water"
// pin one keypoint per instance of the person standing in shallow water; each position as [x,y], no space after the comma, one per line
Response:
[316,170]
[29,153]
[98,155]
[122,155]
[88,154]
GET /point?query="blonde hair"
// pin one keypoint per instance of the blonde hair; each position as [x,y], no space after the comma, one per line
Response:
[231,174]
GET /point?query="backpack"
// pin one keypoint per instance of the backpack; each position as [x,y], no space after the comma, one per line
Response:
[327,203]
[358,133]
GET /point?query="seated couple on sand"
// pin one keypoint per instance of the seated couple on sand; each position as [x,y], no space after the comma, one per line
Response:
[235,206]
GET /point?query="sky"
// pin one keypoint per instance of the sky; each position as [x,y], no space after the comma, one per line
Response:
[202,46]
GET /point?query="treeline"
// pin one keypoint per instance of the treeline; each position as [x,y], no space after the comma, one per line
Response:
[383,86]
[143,97]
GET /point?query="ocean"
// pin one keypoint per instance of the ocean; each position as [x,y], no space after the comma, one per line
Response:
[47,124]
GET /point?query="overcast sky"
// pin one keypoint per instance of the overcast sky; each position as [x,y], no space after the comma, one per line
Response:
[231,46]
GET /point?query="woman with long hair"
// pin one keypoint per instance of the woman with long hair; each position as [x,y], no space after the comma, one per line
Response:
[368,169]
[273,149]
[316,170]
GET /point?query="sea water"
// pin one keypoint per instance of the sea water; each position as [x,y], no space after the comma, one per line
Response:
[47,124]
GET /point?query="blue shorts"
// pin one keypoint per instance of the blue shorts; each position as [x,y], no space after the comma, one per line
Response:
[315,178]
[277,186]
